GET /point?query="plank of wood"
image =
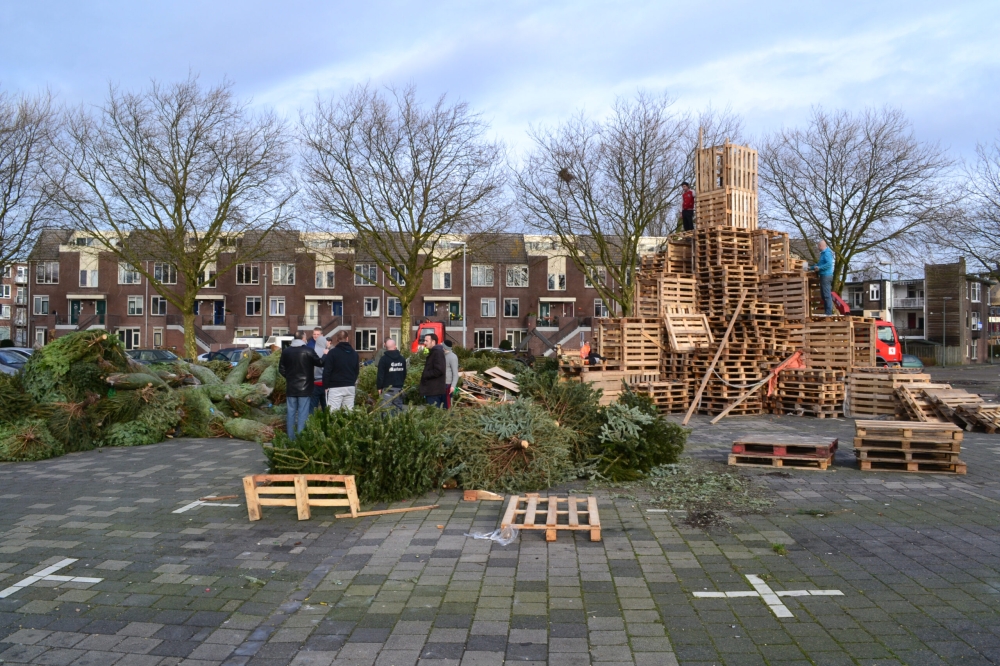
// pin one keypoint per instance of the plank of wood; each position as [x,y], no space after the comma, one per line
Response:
[593,519]
[253,504]
[497,371]
[301,497]
[477,495]
[574,516]
[529,511]
[510,386]
[386,512]
[220,498]
[718,353]
[508,517]
[552,518]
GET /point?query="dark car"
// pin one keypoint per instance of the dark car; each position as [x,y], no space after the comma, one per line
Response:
[911,361]
[11,361]
[232,356]
[147,356]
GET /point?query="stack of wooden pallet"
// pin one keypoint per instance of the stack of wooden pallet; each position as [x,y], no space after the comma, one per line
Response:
[726,193]
[840,343]
[871,391]
[810,392]
[670,397]
[632,343]
[894,446]
[940,403]
[669,293]
[609,380]
[783,451]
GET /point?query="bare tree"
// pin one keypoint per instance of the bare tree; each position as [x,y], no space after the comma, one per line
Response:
[179,174]
[863,183]
[974,228]
[601,186]
[27,125]
[406,178]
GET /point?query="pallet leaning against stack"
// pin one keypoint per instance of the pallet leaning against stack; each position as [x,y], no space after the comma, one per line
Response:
[871,391]
[895,446]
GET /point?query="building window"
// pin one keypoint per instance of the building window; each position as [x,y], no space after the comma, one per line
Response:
[874,292]
[398,276]
[279,330]
[283,274]
[394,307]
[277,308]
[88,278]
[600,309]
[557,273]
[976,323]
[337,308]
[595,275]
[442,277]
[365,274]
[857,298]
[516,335]
[22,274]
[4,332]
[511,307]
[165,273]
[4,291]
[4,312]
[247,274]
[517,276]
[325,276]
[488,307]
[365,339]
[41,305]
[129,337]
[482,275]
[206,279]
[246,333]
[430,309]
[394,333]
[46,272]
[253,306]
[157,306]
[128,274]
[21,296]
[482,338]
[975,292]
[5,273]
[157,337]
[371,306]
[135,306]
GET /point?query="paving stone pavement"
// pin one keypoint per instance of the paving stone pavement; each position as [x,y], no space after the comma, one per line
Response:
[916,556]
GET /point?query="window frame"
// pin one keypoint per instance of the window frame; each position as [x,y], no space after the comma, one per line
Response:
[241,273]
[43,300]
[599,307]
[600,271]
[442,283]
[255,300]
[275,303]
[521,269]
[326,276]
[157,303]
[485,304]
[507,303]
[167,272]
[46,272]
[485,273]
[128,274]
[397,275]
[366,276]
[282,274]
[371,344]
[484,332]
[368,302]
[131,309]
[393,305]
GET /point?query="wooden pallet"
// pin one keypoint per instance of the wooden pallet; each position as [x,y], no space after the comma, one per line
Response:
[791,290]
[634,343]
[771,251]
[728,207]
[609,382]
[907,431]
[985,417]
[670,397]
[305,490]
[820,464]
[725,166]
[839,342]
[873,443]
[915,405]
[917,467]
[523,513]
[873,393]
[687,332]
[786,445]
[906,455]
[664,293]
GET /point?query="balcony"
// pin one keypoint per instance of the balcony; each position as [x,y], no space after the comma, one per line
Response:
[908,303]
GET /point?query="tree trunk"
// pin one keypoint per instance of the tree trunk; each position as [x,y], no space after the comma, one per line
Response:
[404,326]
[190,347]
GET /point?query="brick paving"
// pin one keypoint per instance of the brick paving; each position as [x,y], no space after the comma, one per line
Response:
[916,556]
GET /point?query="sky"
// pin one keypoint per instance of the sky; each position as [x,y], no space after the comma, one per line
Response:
[532,64]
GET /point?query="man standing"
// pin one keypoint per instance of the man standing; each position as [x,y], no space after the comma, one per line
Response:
[391,377]
[451,371]
[340,374]
[319,344]
[296,365]
[433,384]
[687,206]
[824,267]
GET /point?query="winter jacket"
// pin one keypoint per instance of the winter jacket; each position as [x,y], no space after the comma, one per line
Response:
[391,371]
[296,366]
[825,264]
[451,367]
[341,366]
[432,381]
[321,346]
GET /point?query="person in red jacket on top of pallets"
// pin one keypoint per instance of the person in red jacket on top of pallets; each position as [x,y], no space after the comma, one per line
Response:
[687,206]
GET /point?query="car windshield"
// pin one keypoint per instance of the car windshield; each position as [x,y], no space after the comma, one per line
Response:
[11,358]
[167,355]
[885,335]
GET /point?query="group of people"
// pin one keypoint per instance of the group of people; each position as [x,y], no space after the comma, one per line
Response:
[318,376]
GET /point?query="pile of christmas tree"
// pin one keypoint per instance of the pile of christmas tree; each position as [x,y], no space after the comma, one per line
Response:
[82,391]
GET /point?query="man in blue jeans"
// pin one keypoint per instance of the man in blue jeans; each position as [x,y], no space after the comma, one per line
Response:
[297,364]
[825,269]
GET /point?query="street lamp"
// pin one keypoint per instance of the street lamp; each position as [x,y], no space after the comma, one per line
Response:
[889,291]
[465,313]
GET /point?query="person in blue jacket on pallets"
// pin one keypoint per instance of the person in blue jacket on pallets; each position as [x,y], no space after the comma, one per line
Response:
[825,269]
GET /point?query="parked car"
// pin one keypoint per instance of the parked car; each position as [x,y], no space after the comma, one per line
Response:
[26,352]
[147,356]
[232,356]
[911,361]
[11,361]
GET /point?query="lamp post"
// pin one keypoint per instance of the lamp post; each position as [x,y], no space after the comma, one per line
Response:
[889,291]
[465,313]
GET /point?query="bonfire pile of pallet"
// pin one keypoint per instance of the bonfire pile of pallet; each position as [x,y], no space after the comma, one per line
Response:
[718,308]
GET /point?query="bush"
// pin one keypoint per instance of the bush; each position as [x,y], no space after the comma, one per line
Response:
[505,345]
[635,438]
[507,447]
[392,456]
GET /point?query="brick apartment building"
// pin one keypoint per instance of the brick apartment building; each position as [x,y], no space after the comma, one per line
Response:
[14,304]
[512,285]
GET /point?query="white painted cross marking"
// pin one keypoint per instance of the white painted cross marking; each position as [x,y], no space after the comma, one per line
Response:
[195,504]
[770,597]
[46,574]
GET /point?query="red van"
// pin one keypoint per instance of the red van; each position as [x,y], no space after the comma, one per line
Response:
[435,327]
[888,348]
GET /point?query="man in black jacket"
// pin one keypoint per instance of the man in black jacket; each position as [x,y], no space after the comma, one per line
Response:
[391,376]
[296,365]
[340,374]
[433,385]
